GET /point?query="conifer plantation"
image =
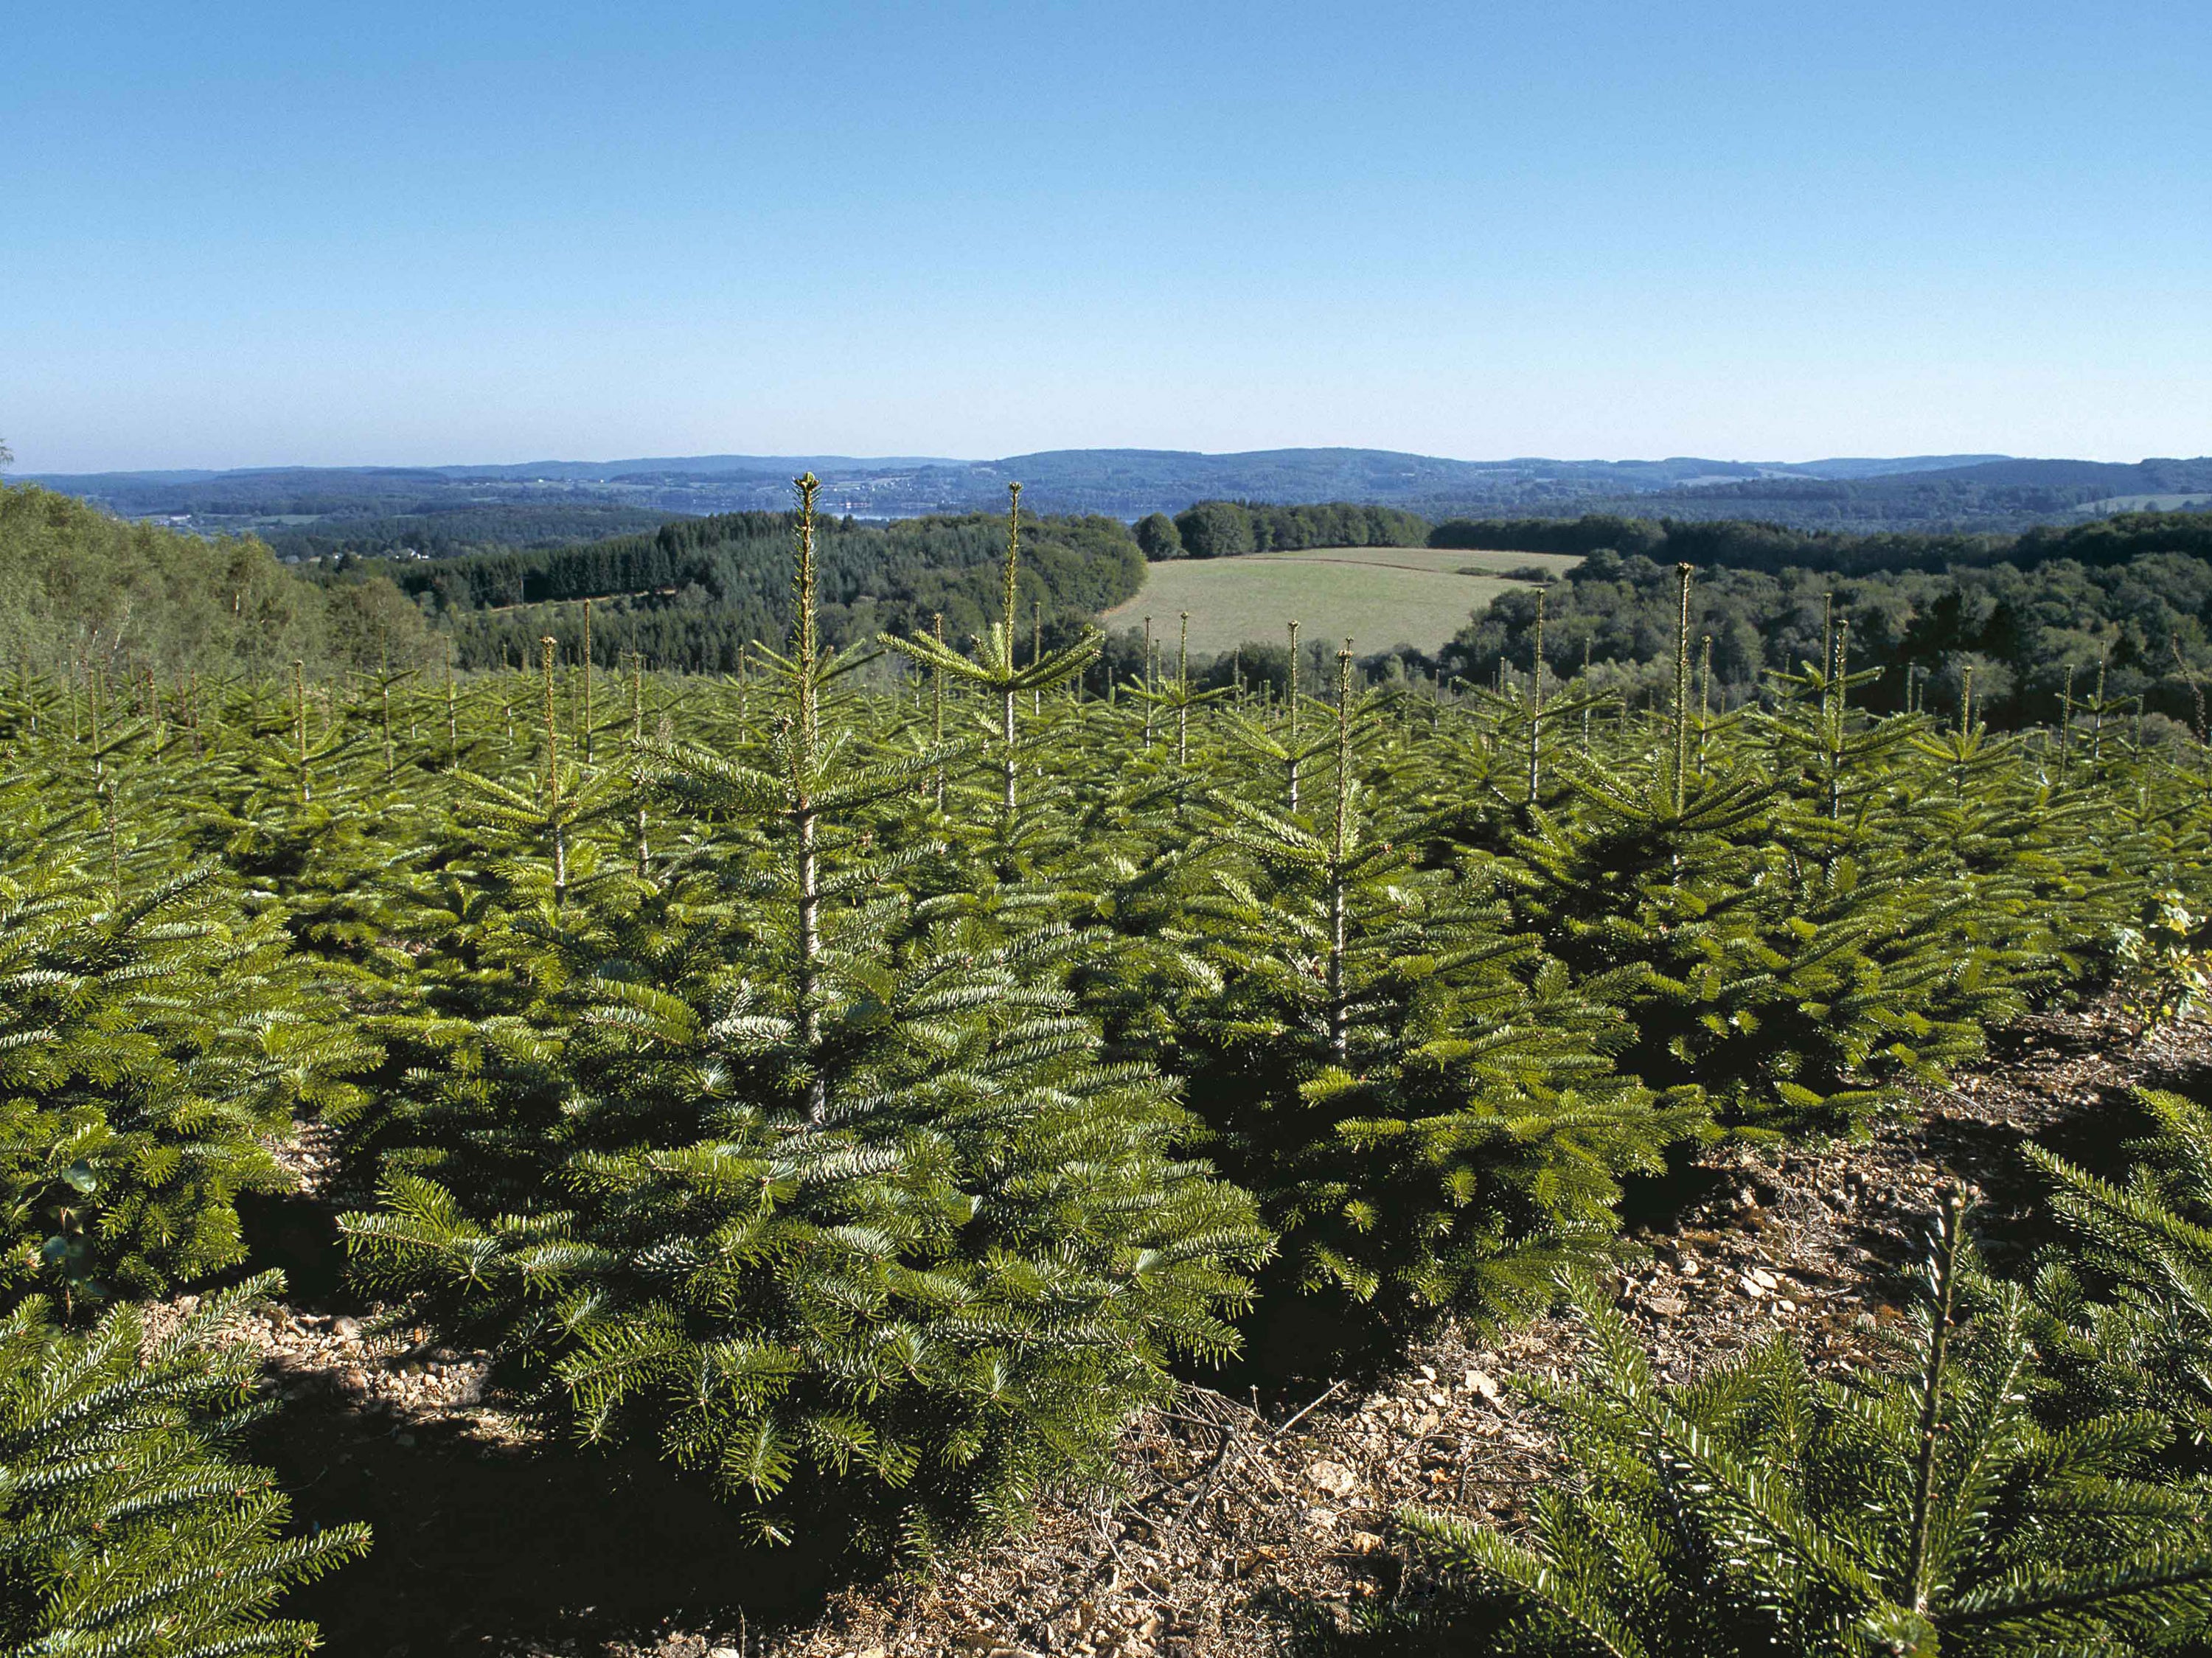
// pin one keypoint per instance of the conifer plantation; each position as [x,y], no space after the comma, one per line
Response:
[870,1081]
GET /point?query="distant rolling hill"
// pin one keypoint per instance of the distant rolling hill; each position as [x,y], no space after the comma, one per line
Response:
[2002,497]
[1982,492]
[781,468]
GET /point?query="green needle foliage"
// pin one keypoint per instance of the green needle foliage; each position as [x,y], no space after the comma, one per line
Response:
[151,1043]
[828,1188]
[126,1528]
[996,669]
[159,1035]
[1920,1511]
[1427,1108]
[1810,931]
[2133,1292]
[849,1075]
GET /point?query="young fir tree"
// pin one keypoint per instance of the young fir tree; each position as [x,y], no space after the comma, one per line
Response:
[125,1527]
[1919,1510]
[826,1187]
[158,1035]
[2133,1288]
[1276,735]
[996,672]
[1426,1106]
[1804,941]
[1993,828]
[547,816]
[290,803]
[152,1042]
[1175,699]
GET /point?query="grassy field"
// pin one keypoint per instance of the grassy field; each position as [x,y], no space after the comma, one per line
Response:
[1376,597]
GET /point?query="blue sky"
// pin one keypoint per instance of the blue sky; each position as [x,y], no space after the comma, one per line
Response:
[256,233]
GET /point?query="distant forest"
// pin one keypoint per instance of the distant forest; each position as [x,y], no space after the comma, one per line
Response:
[1229,529]
[1744,545]
[448,531]
[2129,598]
[692,594]
[2124,606]
[1999,497]
[1225,529]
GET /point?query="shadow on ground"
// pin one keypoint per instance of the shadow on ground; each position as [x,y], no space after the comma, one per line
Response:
[297,1236]
[1658,1202]
[1295,1343]
[514,1550]
[1433,1621]
[491,1547]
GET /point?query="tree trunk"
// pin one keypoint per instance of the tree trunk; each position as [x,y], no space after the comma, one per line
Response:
[1007,737]
[810,952]
[1340,1035]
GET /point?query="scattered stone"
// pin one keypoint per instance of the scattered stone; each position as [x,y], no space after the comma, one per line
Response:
[1333,1478]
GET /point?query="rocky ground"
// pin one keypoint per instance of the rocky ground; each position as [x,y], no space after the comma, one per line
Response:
[1238,1516]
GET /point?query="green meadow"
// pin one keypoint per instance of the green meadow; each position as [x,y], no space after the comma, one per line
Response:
[1376,597]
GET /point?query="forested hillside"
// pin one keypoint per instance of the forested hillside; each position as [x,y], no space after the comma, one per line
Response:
[2116,614]
[2125,594]
[79,590]
[448,532]
[1988,495]
[694,592]
[1738,544]
[77,585]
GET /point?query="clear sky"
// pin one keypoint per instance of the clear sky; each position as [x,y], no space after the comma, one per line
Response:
[247,233]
